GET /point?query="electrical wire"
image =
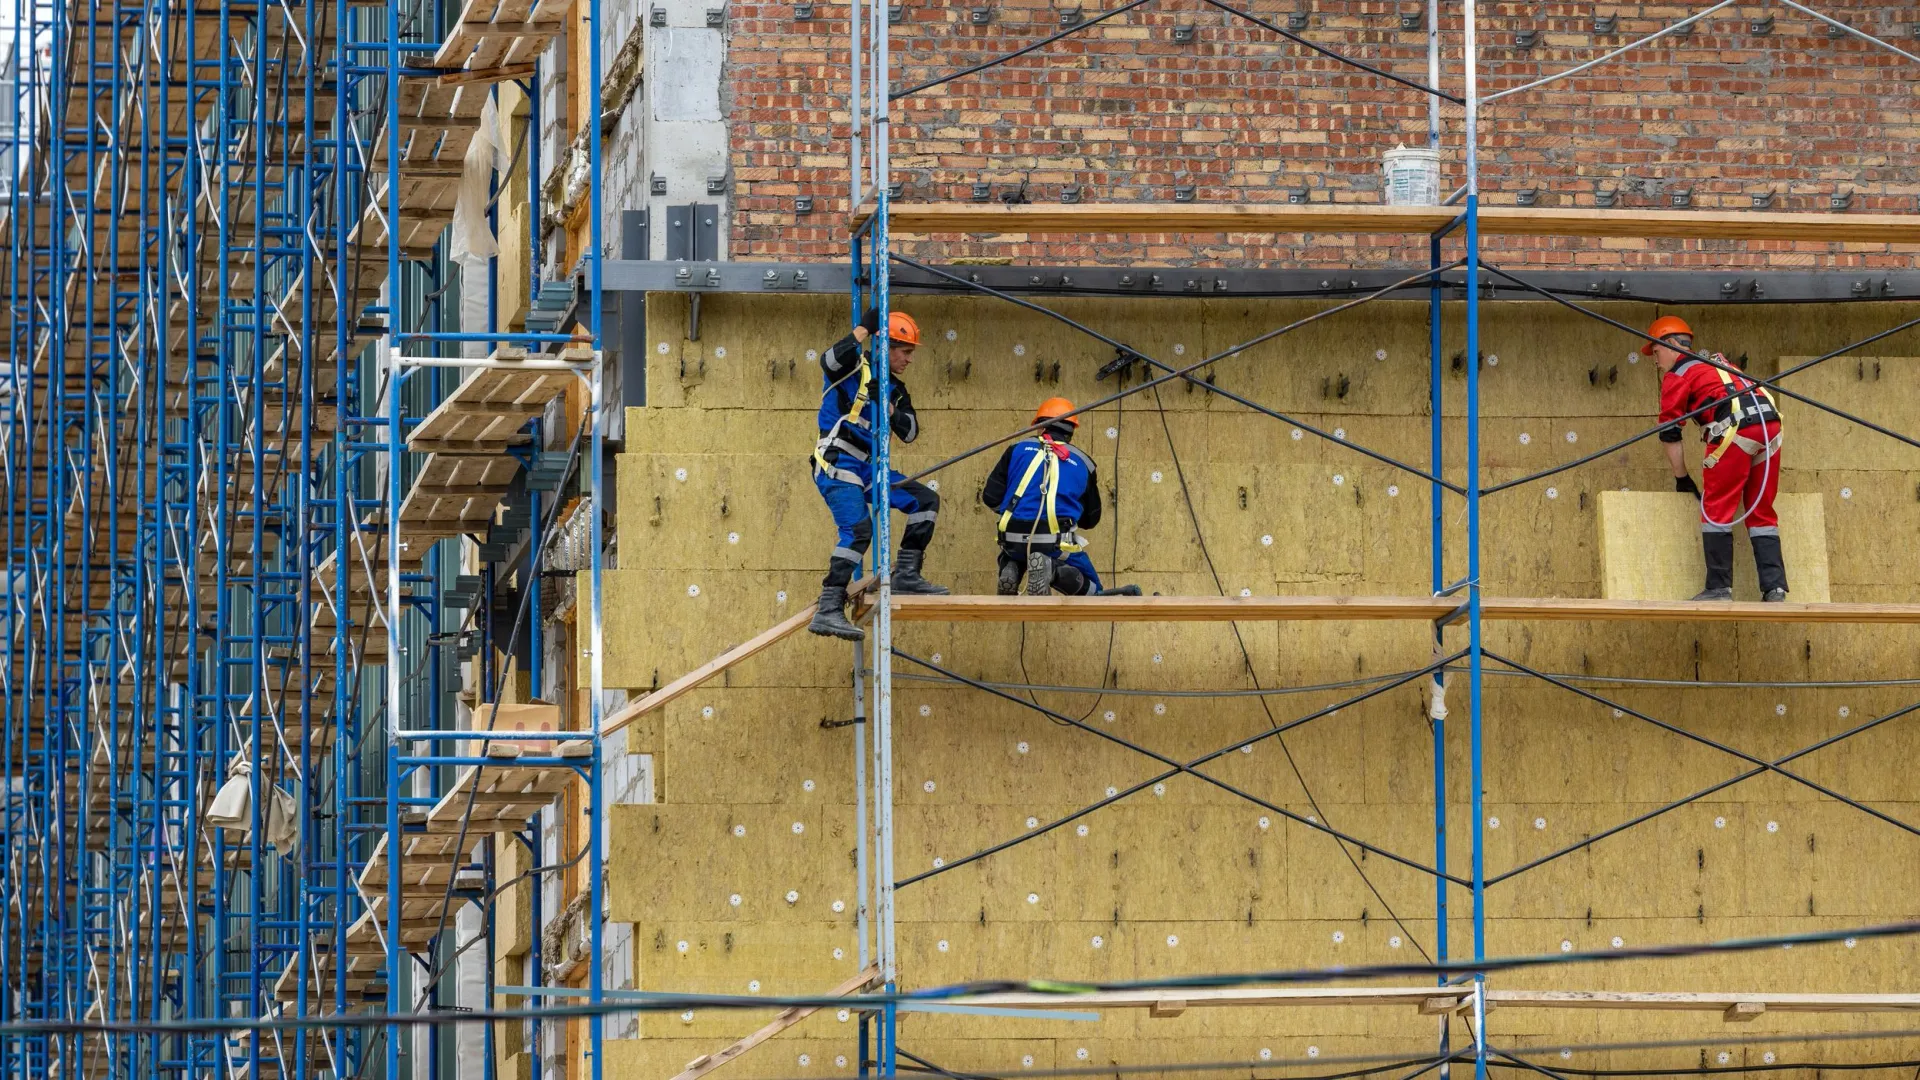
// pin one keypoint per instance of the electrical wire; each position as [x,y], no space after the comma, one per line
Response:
[1117,691]
[1253,676]
[644,1002]
[473,789]
[1374,680]
[1772,383]
[1033,46]
[1176,769]
[1693,736]
[1185,374]
[1113,563]
[1388,1066]
[1719,1070]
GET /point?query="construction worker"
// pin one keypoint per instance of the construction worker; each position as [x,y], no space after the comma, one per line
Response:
[843,472]
[1044,489]
[1742,459]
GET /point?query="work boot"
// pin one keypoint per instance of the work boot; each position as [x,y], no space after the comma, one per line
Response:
[831,618]
[1009,581]
[906,575]
[1039,574]
[1771,566]
[1718,547]
[1775,596]
[1120,590]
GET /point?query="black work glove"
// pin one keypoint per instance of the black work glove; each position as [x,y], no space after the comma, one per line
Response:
[1686,486]
[870,322]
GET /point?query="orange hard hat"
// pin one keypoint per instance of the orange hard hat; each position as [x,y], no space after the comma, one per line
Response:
[1662,328]
[902,328]
[1055,408]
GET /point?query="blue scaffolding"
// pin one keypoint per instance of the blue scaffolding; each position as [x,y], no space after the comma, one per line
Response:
[1454,231]
[229,311]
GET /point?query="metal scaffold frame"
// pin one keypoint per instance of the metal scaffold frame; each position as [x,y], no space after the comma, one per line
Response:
[233,445]
[876,213]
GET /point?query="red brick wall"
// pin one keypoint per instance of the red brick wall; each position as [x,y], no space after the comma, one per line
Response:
[1245,116]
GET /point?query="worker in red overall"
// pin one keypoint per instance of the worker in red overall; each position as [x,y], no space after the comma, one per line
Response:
[1742,458]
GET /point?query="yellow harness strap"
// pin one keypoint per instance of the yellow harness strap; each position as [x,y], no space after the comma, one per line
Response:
[853,416]
[1737,414]
[1049,488]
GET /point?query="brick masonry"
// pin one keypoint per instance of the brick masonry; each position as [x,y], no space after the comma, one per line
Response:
[1244,116]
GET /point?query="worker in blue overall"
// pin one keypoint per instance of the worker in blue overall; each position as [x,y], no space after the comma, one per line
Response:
[843,470]
[1045,489]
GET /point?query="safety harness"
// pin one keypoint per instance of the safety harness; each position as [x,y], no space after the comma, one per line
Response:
[1050,456]
[1726,428]
[832,441]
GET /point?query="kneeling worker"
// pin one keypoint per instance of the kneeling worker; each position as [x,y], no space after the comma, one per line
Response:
[842,469]
[1742,459]
[1045,488]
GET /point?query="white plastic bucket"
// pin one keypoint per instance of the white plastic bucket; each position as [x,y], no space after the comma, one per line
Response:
[1413,176]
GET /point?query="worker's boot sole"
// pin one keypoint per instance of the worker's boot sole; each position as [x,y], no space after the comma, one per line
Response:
[1039,574]
[830,617]
[1009,582]
[835,624]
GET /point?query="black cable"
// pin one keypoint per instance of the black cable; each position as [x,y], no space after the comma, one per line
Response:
[1186,373]
[1183,373]
[1113,629]
[1701,739]
[1023,50]
[1701,794]
[1282,691]
[1716,1070]
[1772,383]
[1114,1068]
[1624,443]
[1331,55]
[473,789]
[1246,657]
[1177,769]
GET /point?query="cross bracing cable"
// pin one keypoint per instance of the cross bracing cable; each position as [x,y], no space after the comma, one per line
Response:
[1170,373]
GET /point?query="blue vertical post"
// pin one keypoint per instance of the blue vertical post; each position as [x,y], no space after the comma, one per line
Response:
[1437,524]
[879,247]
[396,954]
[305,201]
[1475,703]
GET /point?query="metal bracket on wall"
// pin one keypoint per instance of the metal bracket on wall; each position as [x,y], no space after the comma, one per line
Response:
[636,235]
[693,232]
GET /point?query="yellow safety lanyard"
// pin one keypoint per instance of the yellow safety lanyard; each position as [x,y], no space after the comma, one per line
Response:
[852,417]
[1049,491]
[1737,415]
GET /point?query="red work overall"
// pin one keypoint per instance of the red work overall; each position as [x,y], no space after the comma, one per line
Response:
[1742,468]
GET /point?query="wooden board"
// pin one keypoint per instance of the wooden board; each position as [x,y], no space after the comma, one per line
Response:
[1715,1001]
[456,493]
[1374,218]
[1649,545]
[1369,608]
[712,669]
[706,1063]
[489,409]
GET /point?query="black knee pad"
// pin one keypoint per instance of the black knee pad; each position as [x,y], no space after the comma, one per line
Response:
[1069,580]
[927,498]
[862,536]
